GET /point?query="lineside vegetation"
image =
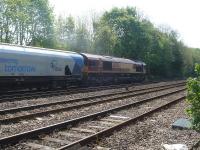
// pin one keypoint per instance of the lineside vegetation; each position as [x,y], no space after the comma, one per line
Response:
[122,32]
[193,98]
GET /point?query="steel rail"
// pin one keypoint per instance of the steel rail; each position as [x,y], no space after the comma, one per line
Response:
[24,108]
[36,94]
[109,131]
[37,114]
[26,91]
[63,125]
[20,93]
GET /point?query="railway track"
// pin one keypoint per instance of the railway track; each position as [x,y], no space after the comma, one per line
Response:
[79,131]
[21,95]
[79,99]
[21,114]
[25,95]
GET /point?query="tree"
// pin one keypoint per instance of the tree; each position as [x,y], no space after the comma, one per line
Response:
[104,40]
[125,24]
[65,32]
[82,38]
[26,22]
[125,33]
[42,19]
[121,32]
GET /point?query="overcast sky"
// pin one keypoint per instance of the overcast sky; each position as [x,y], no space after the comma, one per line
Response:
[181,15]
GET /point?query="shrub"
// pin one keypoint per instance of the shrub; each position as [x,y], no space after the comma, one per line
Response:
[193,98]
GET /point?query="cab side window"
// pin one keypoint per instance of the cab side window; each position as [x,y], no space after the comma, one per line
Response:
[107,65]
[92,63]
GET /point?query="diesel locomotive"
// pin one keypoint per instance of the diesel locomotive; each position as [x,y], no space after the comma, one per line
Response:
[33,67]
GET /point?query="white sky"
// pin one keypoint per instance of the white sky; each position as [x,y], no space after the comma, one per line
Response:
[181,15]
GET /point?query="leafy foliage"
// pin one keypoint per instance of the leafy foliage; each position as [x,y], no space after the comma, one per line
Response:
[132,36]
[193,98]
[26,22]
[71,34]
[120,32]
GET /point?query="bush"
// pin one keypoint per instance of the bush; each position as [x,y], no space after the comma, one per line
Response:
[193,98]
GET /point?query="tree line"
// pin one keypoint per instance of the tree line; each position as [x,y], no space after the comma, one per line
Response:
[121,32]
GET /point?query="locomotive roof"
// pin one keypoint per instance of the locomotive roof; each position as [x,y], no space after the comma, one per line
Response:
[36,50]
[111,58]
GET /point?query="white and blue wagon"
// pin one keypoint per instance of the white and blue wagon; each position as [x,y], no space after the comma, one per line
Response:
[38,67]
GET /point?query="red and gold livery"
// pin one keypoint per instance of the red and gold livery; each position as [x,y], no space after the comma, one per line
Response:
[107,68]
